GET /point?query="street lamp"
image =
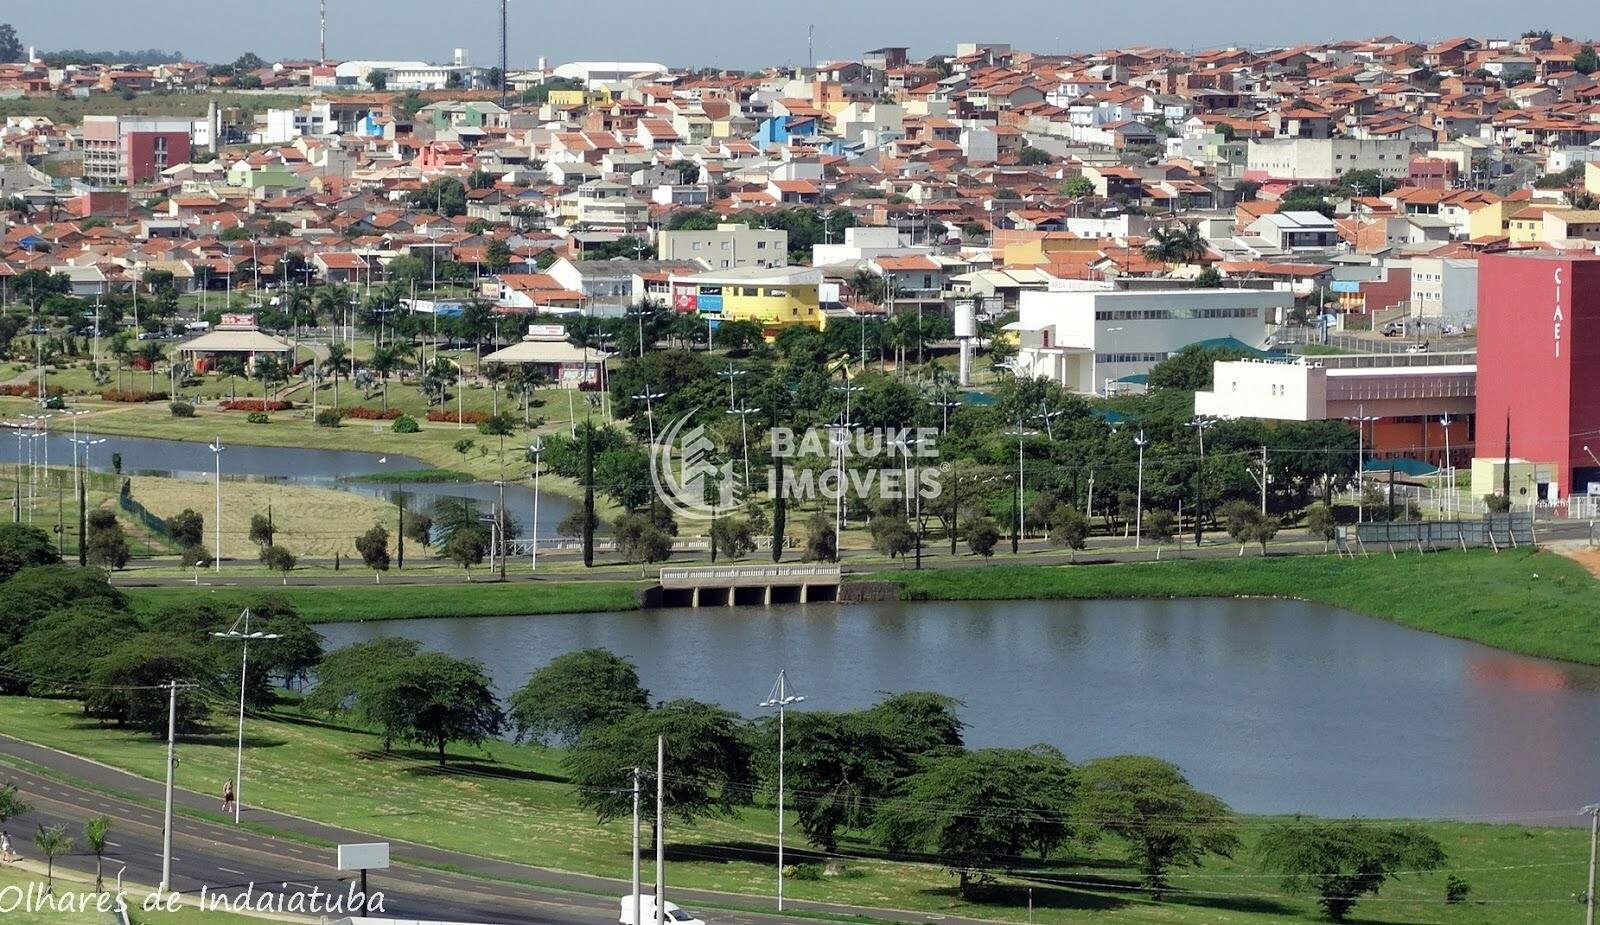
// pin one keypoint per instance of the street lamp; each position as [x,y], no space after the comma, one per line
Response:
[1016,527]
[649,399]
[1361,419]
[731,374]
[536,447]
[744,412]
[780,698]
[1138,492]
[240,632]
[1450,471]
[216,554]
[944,404]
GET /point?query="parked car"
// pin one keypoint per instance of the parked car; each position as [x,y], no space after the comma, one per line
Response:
[671,912]
[1393,329]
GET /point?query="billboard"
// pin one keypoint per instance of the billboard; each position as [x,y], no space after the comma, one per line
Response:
[364,856]
[710,299]
[685,297]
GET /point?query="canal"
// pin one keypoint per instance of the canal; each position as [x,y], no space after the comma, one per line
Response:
[1276,706]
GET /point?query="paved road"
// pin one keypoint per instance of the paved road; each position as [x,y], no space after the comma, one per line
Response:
[221,856]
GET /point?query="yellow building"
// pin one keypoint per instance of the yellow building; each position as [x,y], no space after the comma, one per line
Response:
[1591,178]
[1527,226]
[1035,251]
[1489,221]
[771,297]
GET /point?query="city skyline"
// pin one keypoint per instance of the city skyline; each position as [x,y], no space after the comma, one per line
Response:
[408,29]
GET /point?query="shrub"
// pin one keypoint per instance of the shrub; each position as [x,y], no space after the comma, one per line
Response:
[328,417]
[363,413]
[132,395]
[439,416]
[405,424]
[181,409]
[257,417]
[193,556]
[255,404]
[29,390]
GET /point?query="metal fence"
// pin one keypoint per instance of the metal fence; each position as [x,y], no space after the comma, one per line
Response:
[1495,531]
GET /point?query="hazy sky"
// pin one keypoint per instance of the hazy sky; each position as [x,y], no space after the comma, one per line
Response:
[746,33]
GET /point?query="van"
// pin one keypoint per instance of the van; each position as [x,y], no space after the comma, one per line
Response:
[671,912]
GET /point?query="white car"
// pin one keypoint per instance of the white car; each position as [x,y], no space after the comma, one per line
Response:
[670,912]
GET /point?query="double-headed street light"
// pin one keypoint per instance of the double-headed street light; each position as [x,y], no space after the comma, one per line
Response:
[534,449]
[780,698]
[240,632]
[1361,419]
[650,398]
[1138,493]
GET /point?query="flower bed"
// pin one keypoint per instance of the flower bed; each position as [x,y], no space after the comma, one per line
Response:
[449,417]
[132,395]
[255,404]
[30,390]
[363,413]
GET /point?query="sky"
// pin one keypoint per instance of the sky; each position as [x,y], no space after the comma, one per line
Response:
[749,33]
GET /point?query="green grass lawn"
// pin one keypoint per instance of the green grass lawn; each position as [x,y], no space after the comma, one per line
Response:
[144,104]
[1536,603]
[513,802]
[389,602]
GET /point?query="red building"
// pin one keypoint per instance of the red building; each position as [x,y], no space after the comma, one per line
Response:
[122,150]
[1539,362]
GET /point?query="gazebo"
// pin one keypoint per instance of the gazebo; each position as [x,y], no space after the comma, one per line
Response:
[236,336]
[546,347]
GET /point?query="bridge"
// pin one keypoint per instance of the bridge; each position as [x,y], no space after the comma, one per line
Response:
[729,586]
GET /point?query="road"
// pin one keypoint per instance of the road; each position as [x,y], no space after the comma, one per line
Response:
[224,857]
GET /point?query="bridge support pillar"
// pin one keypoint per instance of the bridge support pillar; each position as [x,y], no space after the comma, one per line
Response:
[694,599]
[766,597]
[804,589]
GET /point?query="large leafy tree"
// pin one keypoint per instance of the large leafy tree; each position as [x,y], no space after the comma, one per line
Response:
[10,45]
[55,654]
[576,692]
[1190,369]
[978,811]
[432,699]
[1340,862]
[22,546]
[1161,818]
[345,671]
[707,758]
[124,685]
[34,592]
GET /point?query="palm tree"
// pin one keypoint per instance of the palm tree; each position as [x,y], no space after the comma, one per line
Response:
[151,353]
[332,301]
[338,363]
[231,367]
[94,836]
[1181,243]
[121,351]
[385,361]
[52,841]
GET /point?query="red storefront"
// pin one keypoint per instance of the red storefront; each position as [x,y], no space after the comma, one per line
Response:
[1539,361]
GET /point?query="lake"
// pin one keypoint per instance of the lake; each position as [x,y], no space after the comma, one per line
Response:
[1276,706]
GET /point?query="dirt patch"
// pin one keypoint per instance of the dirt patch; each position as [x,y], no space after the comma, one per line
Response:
[1583,554]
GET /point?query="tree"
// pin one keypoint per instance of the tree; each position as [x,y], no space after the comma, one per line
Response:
[640,540]
[432,699]
[249,61]
[1321,523]
[11,49]
[108,547]
[1077,186]
[982,535]
[822,543]
[33,593]
[1160,525]
[262,531]
[374,548]
[186,528]
[575,693]
[1181,243]
[1191,368]
[52,841]
[125,683]
[56,651]
[378,79]
[22,546]
[95,832]
[1339,862]
[1585,62]
[466,548]
[499,255]
[1034,157]
[706,751]
[891,533]
[981,810]
[1266,528]
[1068,527]
[734,537]
[1240,517]
[278,559]
[11,805]
[1162,819]
[345,671]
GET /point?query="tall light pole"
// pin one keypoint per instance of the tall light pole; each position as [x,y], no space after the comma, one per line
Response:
[1450,471]
[649,398]
[1021,434]
[1361,420]
[1593,812]
[744,413]
[537,447]
[661,830]
[172,761]
[240,632]
[636,902]
[216,554]
[730,374]
[780,698]
[944,405]
[1138,492]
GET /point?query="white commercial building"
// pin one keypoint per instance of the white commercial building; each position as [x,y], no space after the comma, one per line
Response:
[403,75]
[729,245]
[1089,337]
[1309,160]
[1445,288]
[614,74]
[1391,386]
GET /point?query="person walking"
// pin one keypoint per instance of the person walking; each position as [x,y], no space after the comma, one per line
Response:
[5,847]
[227,797]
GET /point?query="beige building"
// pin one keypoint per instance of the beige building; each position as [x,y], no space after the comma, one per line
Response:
[727,247]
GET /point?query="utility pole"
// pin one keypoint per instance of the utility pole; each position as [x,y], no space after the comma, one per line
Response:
[1593,812]
[780,698]
[635,846]
[166,817]
[503,64]
[1138,493]
[322,32]
[661,827]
